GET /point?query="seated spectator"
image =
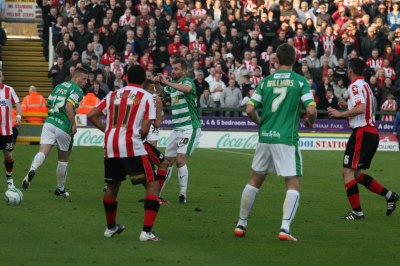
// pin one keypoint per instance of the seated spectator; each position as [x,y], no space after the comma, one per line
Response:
[330,100]
[332,60]
[312,60]
[200,84]
[340,90]
[174,48]
[231,97]
[89,101]
[119,82]
[103,86]
[97,91]
[389,105]
[73,61]
[117,65]
[34,103]
[94,66]
[109,77]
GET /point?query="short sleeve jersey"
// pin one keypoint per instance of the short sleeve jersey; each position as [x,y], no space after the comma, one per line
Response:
[281,95]
[8,98]
[57,100]
[125,110]
[184,106]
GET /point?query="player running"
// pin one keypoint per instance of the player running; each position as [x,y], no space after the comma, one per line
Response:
[362,144]
[280,96]
[59,128]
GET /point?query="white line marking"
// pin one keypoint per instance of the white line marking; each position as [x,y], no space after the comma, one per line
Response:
[234,152]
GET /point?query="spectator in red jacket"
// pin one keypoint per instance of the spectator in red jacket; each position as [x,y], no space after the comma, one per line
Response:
[109,56]
[175,47]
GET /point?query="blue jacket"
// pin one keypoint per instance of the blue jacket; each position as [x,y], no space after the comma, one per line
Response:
[393,21]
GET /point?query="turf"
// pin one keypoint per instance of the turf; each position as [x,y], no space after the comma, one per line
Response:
[46,230]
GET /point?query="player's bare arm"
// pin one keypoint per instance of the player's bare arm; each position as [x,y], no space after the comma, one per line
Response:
[359,109]
[159,113]
[252,113]
[311,116]
[94,117]
[144,130]
[19,113]
[71,117]
[179,87]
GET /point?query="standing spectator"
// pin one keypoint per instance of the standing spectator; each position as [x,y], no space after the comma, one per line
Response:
[369,43]
[109,77]
[206,102]
[58,72]
[231,97]
[88,54]
[59,128]
[34,103]
[81,37]
[96,12]
[63,45]
[174,48]
[393,18]
[103,86]
[8,99]
[94,66]
[88,102]
[97,46]
[312,60]
[200,84]
[216,88]
[340,90]
[132,158]
[118,37]
[389,105]
[141,42]
[109,56]
[332,60]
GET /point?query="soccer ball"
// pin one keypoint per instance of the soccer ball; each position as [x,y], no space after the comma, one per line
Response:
[13,196]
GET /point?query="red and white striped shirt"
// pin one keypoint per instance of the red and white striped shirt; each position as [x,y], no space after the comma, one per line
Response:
[125,110]
[198,12]
[389,105]
[255,80]
[327,42]
[301,44]
[375,63]
[8,98]
[360,93]
[390,73]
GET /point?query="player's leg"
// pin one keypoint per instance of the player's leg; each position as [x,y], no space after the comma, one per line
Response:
[350,165]
[186,145]
[170,154]
[9,166]
[64,143]
[262,163]
[151,200]
[370,143]
[288,163]
[47,140]
[114,173]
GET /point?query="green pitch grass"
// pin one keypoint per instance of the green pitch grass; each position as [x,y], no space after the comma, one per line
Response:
[46,230]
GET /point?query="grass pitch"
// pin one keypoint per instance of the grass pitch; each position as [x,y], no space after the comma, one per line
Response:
[45,230]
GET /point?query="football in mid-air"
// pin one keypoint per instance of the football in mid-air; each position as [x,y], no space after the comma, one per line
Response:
[13,196]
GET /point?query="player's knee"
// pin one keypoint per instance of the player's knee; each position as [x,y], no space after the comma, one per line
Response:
[347,173]
[152,188]
[181,160]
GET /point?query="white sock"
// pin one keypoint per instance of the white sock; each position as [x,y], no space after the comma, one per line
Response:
[183,177]
[167,177]
[37,161]
[248,197]
[289,208]
[61,174]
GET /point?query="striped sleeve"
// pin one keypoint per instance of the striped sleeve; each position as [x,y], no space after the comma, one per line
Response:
[14,97]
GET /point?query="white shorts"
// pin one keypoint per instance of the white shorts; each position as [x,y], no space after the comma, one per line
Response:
[154,134]
[54,136]
[182,141]
[284,160]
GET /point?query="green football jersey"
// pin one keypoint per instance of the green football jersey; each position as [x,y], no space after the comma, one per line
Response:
[184,106]
[281,95]
[61,94]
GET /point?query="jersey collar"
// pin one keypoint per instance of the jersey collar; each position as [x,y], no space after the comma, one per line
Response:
[135,85]
[357,78]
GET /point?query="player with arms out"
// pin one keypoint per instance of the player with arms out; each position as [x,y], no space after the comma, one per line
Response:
[129,112]
[186,123]
[280,96]
[363,142]
[59,128]
[8,98]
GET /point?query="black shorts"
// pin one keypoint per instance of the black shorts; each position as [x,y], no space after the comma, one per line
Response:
[140,169]
[7,143]
[15,134]
[361,148]
[156,156]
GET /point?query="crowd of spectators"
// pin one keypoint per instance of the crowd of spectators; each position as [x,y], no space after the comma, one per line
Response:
[229,45]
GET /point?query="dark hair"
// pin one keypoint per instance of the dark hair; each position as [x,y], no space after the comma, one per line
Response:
[286,54]
[80,70]
[147,83]
[182,62]
[357,65]
[136,74]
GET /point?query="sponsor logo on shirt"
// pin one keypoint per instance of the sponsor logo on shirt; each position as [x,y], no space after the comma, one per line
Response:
[271,134]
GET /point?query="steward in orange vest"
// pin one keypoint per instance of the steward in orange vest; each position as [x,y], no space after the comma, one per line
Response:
[88,102]
[34,103]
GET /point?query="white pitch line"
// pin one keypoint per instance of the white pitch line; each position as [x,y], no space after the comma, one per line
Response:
[234,152]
